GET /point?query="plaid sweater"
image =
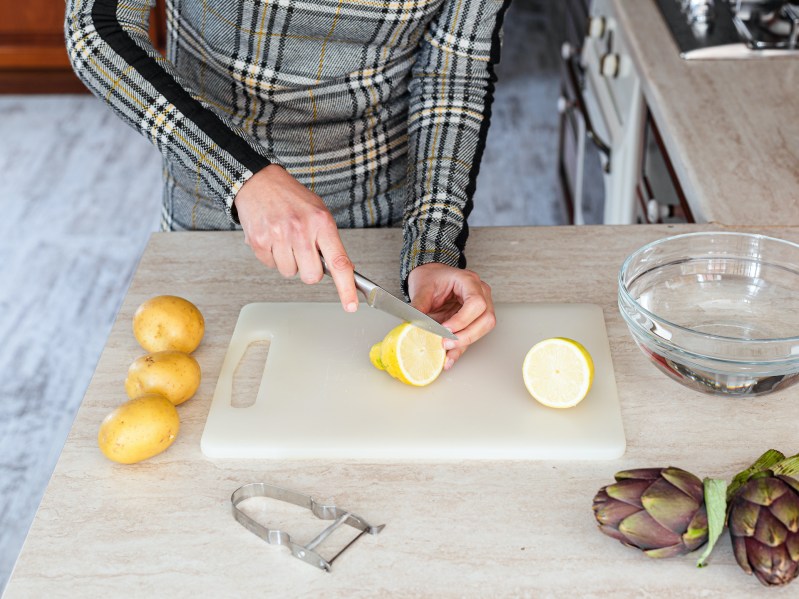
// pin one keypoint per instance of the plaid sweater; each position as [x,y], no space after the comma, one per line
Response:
[381,107]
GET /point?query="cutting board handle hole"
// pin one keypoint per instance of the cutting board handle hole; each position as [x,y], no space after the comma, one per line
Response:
[248,374]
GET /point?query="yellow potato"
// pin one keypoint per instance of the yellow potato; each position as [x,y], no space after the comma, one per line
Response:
[173,374]
[139,429]
[168,322]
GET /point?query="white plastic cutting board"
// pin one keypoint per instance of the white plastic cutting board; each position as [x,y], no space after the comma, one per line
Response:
[320,397]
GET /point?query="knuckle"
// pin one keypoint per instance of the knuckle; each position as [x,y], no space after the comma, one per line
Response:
[322,218]
[286,228]
[342,262]
[479,304]
[295,226]
[491,320]
[311,279]
[276,232]
[259,246]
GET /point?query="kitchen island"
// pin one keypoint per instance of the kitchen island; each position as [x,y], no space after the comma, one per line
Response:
[731,127]
[453,528]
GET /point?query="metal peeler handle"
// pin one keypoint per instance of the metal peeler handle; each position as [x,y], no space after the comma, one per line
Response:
[306,553]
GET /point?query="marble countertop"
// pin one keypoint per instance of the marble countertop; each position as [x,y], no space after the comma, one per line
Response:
[731,127]
[453,529]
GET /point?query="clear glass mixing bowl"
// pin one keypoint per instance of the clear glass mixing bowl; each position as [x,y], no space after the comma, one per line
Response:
[717,312]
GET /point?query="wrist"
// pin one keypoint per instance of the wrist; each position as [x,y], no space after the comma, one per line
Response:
[259,183]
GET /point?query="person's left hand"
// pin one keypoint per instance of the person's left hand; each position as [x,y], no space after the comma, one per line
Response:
[458,299]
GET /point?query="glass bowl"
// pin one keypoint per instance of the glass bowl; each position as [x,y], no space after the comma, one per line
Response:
[717,312]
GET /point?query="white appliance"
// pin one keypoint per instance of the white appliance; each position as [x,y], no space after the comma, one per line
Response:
[602,123]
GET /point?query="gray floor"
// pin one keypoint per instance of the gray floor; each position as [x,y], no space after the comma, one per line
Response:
[79,196]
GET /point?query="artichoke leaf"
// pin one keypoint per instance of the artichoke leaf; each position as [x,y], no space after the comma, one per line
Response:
[672,551]
[791,482]
[685,482]
[743,518]
[792,545]
[697,533]
[788,466]
[639,473]
[609,512]
[715,493]
[786,510]
[764,462]
[644,532]
[763,490]
[628,491]
[739,550]
[771,564]
[758,555]
[669,506]
[769,530]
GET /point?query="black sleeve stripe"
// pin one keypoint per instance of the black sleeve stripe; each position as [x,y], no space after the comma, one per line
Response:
[496,47]
[104,16]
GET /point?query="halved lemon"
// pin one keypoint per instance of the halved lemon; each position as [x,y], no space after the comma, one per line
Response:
[558,372]
[411,355]
[374,355]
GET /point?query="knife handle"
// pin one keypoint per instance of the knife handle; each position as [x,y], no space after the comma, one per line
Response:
[362,284]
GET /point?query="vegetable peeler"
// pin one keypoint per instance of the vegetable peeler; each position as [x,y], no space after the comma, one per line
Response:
[306,553]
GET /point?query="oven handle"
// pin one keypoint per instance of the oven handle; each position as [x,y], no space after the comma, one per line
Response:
[570,62]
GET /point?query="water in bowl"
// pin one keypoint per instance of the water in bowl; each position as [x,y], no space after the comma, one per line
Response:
[716,382]
[725,299]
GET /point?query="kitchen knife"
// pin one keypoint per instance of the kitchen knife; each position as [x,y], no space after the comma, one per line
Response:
[377,297]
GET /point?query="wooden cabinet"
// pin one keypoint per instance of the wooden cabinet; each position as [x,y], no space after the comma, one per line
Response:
[33,55]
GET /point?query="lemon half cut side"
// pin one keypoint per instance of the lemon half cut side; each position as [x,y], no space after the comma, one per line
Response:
[412,355]
[558,372]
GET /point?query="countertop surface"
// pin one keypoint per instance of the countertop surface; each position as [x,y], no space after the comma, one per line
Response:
[731,127]
[453,529]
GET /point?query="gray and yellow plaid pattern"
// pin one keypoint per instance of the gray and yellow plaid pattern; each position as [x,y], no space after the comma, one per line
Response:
[381,107]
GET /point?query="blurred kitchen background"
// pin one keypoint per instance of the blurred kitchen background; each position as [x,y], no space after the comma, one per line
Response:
[80,195]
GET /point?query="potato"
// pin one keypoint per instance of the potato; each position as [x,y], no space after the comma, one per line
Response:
[139,429]
[168,322]
[173,374]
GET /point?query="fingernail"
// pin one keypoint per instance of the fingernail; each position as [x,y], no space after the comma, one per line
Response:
[448,364]
[449,344]
[351,307]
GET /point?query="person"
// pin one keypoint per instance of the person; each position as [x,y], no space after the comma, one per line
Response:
[290,119]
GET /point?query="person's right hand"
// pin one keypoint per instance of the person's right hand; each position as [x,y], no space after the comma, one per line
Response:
[287,226]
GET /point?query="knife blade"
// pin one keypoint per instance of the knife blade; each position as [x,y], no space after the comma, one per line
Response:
[380,299]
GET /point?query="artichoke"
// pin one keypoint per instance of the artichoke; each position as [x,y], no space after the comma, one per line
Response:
[660,511]
[763,520]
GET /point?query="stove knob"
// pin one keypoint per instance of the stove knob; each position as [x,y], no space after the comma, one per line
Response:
[609,65]
[596,26]
[700,12]
[655,213]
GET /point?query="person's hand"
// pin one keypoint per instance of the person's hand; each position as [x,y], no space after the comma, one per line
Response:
[458,299]
[286,225]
